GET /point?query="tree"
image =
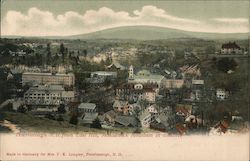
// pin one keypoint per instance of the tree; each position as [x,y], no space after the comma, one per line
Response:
[137,113]
[85,53]
[73,119]
[226,64]
[50,116]
[8,107]
[210,49]
[48,53]
[96,124]
[21,109]
[62,51]
[61,109]
[60,118]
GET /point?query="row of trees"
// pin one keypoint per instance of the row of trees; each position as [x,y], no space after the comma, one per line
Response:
[65,53]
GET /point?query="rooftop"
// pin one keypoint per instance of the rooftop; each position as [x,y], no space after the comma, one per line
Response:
[47,88]
[36,73]
[230,45]
[90,106]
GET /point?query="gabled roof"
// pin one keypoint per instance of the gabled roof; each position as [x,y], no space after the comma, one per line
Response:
[180,128]
[89,117]
[90,106]
[230,45]
[117,65]
[111,113]
[184,109]
[126,120]
[119,103]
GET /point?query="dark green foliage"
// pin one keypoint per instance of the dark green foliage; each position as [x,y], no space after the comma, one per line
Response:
[74,119]
[61,109]
[8,107]
[60,118]
[62,51]
[226,64]
[21,109]
[50,116]
[96,124]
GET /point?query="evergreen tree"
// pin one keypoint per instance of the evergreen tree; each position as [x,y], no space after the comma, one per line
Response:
[48,54]
[62,51]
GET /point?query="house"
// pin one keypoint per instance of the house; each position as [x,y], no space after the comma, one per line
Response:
[121,107]
[88,113]
[17,53]
[51,95]
[197,82]
[87,108]
[149,95]
[163,121]
[10,76]
[181,128]
[193,122]
[222,94]
[110,117]
[221,126]
[195,95]
[145,118]
[100,76]
[116,67]
[172,83]
[183,110]
[193,70]
[133,107]
[126,121]
[135,92]
[152,109]
[87,118]
[230,48]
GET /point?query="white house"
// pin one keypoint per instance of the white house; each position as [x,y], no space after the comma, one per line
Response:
[87,107]
[222,94]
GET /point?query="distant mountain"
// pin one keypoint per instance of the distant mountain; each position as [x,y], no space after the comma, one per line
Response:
[153,33]
[145,33]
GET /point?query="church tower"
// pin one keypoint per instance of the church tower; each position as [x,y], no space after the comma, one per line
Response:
[131,73]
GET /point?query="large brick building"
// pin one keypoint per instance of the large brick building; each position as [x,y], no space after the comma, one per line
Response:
[48,78]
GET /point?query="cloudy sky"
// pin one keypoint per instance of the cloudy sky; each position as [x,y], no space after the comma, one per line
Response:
[72,17]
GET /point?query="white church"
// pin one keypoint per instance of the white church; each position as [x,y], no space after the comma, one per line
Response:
[144,76]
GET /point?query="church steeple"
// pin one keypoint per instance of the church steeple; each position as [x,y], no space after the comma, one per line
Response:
[131,72]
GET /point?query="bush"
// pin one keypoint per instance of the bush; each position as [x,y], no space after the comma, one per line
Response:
[73,119]
[8,107]
[61,109]
[60,118]
[21,109]
[96,124]
[226,64]
[50,116]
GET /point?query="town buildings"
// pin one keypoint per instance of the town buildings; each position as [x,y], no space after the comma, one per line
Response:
[144,76]
[230,48]
[87,113]
[48,78]
[48,95]
[222,94]
[101,76]
[87,107]
[172,83]
[136,92]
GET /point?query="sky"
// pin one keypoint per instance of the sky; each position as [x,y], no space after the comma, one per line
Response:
[72,17]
